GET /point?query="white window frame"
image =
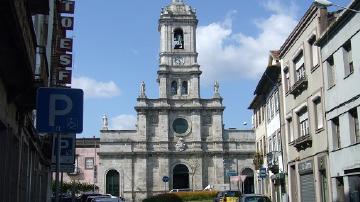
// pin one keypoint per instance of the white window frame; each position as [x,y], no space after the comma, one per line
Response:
[330,71]
[348,60]
[313,50]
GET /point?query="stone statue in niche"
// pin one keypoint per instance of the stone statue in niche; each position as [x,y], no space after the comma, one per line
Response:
[180,145]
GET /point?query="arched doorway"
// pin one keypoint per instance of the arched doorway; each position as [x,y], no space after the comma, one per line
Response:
[181,177]
[112,182]
[249,181]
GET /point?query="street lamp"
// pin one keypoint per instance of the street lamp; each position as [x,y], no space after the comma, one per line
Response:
[326,3]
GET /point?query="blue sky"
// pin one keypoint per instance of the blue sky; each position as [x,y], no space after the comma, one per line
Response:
[116,46]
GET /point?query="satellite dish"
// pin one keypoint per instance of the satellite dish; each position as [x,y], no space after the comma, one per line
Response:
[244,123]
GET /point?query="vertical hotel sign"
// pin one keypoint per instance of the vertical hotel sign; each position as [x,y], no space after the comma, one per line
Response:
[65,45]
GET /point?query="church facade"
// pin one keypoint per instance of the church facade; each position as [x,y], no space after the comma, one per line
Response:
[179,136]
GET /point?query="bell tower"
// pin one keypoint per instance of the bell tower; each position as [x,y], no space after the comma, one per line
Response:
[179,73]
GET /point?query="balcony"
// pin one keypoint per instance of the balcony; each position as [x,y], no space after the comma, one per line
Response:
[299,86]
[273,161]
[302,142]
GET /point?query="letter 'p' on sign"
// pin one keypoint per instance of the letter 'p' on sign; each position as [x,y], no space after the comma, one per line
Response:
[59,110]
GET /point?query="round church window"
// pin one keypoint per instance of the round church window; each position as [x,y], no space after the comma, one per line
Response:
[180,125]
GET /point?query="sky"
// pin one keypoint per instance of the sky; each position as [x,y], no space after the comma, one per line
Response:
[116,47]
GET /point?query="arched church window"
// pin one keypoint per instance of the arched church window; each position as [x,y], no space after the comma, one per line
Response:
[174,87]
[184,88]
[178,39]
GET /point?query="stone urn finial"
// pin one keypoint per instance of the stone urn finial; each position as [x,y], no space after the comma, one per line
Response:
[105,123]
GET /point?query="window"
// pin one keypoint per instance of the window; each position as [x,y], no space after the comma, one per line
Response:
[89,163]
[348,61]
[279,141]
[184,88]
[274,146]
[264,144]
[324,186]
[299,66]
[336,133]
[289,132]
[354,124]
[178,39]
[287,79]
[330,71]
[173,88]
[303,122]
[277,104]
[270,145]
[314,52]
[318,113]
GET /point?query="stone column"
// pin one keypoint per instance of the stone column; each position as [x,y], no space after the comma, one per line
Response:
[163,125]
[196,126]
[141,126]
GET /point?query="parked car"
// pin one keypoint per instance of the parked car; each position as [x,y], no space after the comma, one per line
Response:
[179,190]
[254,198]
[90,198]
[108,200]
[227,196]
[85,195]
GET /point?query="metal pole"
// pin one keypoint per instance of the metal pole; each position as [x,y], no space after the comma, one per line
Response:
[230,182]
[57,185]
[94,162]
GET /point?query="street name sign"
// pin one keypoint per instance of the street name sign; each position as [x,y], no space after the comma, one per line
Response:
[262,173]
[231,173]
[59,110]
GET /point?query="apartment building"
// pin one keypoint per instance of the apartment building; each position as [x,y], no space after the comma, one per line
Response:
[86,161]
[340,53]
[302,86]
[266,121]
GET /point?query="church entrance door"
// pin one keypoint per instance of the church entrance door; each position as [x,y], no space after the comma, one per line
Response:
[249,181]
[181,177]
[112,182]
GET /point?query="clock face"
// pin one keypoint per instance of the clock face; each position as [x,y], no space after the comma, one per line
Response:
[179,60]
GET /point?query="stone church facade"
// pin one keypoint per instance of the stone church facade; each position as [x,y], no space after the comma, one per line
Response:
[178,135]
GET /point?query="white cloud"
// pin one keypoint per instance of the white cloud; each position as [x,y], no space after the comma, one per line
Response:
[227,55]
[96,89]
[123,122]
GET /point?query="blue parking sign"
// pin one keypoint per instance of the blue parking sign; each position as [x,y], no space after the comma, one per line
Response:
[59,110]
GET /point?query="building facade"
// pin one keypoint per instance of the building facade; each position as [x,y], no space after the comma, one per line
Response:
[179,135]
[86,161]
[25,165]
[340,53]
[305,129]
[266,120]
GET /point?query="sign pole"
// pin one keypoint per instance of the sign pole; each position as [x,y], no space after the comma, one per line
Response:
[57,185]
